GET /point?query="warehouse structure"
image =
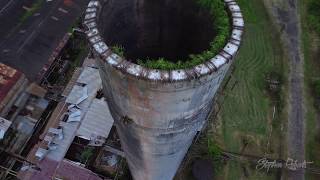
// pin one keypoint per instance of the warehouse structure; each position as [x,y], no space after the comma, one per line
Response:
[157,112]
[74,130]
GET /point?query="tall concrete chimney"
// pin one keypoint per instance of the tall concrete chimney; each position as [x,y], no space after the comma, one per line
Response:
[157,112]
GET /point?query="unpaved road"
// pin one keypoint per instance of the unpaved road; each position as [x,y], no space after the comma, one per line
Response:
[287,17]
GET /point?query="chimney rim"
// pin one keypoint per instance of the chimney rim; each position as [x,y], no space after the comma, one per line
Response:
[210,66]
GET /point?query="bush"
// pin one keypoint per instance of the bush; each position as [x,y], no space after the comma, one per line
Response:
[222,27]
[86,155]
[314,15]
[119,50]
[317,88]
[214,150]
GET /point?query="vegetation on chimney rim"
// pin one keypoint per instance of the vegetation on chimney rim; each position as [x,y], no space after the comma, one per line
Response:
[222,27]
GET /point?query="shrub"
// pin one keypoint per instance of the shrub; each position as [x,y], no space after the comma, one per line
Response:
[314,15]
[119,50]
[86,155]
[214,150]
[317,88]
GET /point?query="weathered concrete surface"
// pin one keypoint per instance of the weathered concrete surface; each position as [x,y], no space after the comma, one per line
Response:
[285,14]
[157,113]
[164,118]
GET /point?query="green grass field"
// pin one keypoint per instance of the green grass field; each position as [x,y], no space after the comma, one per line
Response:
[246,108]
[311,47]
[246,113]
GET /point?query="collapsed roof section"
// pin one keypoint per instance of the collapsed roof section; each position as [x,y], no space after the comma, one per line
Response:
[84,115]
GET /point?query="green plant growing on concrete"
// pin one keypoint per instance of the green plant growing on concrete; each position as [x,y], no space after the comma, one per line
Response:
[160,63]
[222,27]
[118,49]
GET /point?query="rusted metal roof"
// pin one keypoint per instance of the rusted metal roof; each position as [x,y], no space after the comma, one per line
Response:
[60,170]
[8,78]
[36,90]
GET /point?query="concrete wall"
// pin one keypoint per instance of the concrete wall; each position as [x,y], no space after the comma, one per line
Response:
[157,113]
[163,118]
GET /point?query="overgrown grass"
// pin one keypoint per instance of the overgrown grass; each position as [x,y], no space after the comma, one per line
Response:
[246,112]
[246,107]
[118,49]
[35,6]
[221,26]
[313,17]
[310,21]
[316,85]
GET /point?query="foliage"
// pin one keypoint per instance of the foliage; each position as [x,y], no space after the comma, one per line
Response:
[119,50]
[246,105]
[311,32]
[317,88]
[86,154]
[160,63]
[214,150]
[314,14]
[222,27]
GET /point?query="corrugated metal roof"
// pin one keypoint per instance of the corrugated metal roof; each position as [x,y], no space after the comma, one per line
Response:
[77,92]
[98,114]
[94,112]
[72,82]
[89,75]
[69,130]
[89,79]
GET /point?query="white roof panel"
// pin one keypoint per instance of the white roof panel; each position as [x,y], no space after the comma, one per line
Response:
[69,130]
[98,120]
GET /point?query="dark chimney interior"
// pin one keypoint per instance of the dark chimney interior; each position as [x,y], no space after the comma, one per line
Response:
[152,29]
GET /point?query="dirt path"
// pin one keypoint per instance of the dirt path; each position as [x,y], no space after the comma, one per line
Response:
[286,16]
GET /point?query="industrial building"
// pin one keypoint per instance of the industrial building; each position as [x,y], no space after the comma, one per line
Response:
[13,83]
[157,112]
[22,105]
[73,141]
